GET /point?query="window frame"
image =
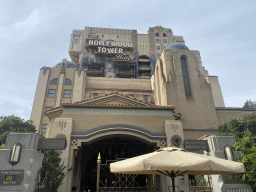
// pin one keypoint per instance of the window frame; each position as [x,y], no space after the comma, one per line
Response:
[44,128]
[164,34]
[76,41]
[68,82]
[185,75]
[48,94]
[146,98]
[158,55]
[54,81]
[157,40]
[66,95]
[165,40]
[157,34]
[157,47]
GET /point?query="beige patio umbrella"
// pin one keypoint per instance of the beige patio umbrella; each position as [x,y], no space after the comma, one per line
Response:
[173,162]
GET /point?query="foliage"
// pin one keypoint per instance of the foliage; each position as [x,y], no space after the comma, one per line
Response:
[245,133]
[2,146]
[51,174]
[52,171]
[249,104]
[14,124]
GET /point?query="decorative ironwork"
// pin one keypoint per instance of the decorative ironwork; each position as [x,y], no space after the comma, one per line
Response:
[199,183]
[124,182]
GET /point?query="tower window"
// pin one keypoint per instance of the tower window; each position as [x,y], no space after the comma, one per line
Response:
[54,81]
[164,35]
[44,128]
[145,98]
[67,93]
[158,54]
[102,36]
[185,76]
[68,82]
[76,41]
[165,40]
[157,34]
[157,48]
[157,40]
[51,93]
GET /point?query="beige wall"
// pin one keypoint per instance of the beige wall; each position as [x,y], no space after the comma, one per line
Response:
[85,122]
[216,91]
[198,110]
[226,114]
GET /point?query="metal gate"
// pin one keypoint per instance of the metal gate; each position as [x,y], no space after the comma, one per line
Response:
[124,182]
[199,183]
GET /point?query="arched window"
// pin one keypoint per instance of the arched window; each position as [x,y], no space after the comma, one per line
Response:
[164,35]
[68,82]
[54,81]
[185,76]
[157,34]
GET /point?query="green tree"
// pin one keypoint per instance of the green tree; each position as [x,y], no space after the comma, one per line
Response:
[249,104]
[52,173]
[12,124]
[244,130]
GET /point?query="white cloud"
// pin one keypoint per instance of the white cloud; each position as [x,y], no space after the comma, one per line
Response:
[16,100]
[30,22]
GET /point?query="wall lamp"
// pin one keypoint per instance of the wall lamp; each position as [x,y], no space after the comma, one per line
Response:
[16,153]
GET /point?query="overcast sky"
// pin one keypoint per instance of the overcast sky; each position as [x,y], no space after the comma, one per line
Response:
[37,33]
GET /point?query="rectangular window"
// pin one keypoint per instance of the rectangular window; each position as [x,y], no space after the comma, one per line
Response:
[51,93]
[95,95]
[158,54]
[157,48]
[76,41]
[165,40]
[44,128]
[145,98]
[157,40]
[67,93]
[102,36]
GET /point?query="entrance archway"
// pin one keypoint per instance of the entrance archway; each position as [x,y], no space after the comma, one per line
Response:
[111,148]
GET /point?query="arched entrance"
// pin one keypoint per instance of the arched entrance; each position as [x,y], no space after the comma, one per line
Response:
[111,148]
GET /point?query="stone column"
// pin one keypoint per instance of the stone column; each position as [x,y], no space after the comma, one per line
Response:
[65,126]
[78,86]
[39,98]
[59,91]
[174,127]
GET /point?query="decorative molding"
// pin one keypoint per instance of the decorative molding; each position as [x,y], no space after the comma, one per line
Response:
[118,127]
[45,69]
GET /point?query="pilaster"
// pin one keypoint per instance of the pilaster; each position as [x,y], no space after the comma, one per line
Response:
[39,98]
[65,126]
[78,86]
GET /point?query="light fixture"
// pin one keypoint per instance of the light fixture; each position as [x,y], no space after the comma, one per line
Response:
[15,153]
[228,152]
[182,178]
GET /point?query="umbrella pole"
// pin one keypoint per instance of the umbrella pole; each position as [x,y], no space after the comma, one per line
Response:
[173,183]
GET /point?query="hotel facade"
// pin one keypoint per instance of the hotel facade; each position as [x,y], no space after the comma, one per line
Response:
[125,94]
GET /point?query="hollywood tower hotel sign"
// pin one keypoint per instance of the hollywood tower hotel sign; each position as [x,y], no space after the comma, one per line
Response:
[110,47]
